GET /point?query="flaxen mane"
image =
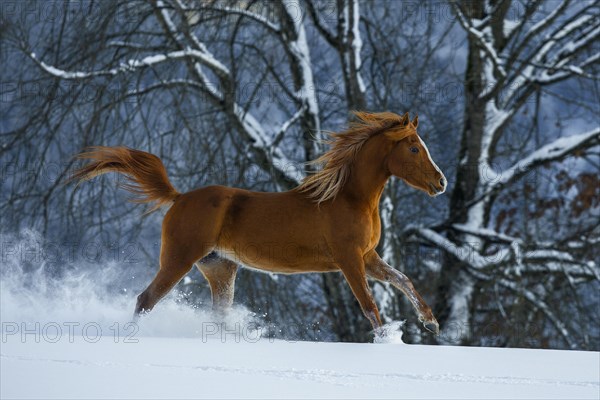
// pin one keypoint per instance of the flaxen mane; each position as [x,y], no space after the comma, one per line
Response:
[337,162]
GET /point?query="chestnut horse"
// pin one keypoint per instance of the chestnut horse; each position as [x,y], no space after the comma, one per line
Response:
[330,222]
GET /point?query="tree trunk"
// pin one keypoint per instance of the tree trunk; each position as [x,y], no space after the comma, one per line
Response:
[349,46]
[455,287]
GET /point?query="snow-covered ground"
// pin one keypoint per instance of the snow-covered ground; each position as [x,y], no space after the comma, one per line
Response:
[159,367]
[69,338]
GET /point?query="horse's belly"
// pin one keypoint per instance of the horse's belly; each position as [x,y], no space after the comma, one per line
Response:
[292,269]
[280,258]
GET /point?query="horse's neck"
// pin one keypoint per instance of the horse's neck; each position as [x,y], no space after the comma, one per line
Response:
[368,176]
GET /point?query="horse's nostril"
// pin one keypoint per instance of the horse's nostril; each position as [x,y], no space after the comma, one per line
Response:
[443,182]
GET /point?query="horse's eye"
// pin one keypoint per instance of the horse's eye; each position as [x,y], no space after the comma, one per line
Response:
[414,150]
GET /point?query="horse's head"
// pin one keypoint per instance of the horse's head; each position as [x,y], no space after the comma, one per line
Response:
[410,160]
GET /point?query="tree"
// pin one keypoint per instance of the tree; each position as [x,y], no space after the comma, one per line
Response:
[507,64]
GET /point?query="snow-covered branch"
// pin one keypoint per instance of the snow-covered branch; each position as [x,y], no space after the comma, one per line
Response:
[554,58]
[131,65]
[547,266]
[515,28]
[514,258]
[256,135]
[486,233]
[557,150]
[331,38]
[537,28]
[484,39]
[225,10]
[463,252]
[201,57]
[525,63]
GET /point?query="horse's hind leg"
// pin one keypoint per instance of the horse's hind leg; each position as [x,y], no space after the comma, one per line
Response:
[220,274]
[175,263]
[189,232]
[166,278]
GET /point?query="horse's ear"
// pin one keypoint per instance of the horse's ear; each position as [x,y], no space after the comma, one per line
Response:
[415,121]
[404,119]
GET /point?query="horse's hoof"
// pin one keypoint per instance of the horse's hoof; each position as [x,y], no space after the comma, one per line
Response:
[432,326]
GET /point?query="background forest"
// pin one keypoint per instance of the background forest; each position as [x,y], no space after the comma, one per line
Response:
[242,93]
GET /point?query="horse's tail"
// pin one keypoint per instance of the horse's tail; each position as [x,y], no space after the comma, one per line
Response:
[147,176]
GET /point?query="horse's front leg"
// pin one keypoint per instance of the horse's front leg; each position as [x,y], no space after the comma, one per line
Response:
[353,267]
[378,269]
